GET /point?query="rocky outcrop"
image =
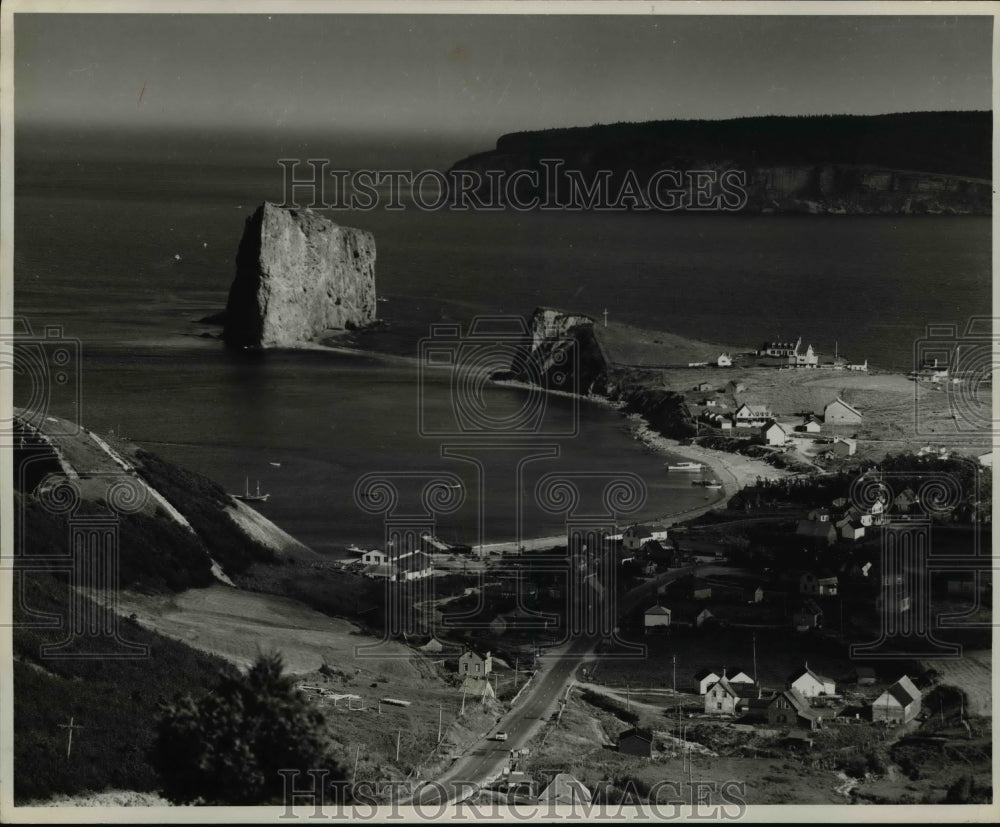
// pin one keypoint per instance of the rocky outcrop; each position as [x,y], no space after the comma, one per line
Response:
[561,354]
[564,354]
[299,276]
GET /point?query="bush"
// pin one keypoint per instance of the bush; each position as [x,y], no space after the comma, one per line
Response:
[228,747]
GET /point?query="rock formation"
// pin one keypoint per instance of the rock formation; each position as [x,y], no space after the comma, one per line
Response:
[298,276]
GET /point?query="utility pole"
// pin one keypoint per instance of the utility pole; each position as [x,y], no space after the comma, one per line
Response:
[69,739]
[399,735]
[516,660]
[440,719]
[605,317]
[357,758]
[462,710]
[755,657]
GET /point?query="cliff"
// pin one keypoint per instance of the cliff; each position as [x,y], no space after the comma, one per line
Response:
[298,277]
[906,163]
[565,353]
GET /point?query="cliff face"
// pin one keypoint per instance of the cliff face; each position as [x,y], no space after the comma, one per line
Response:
[925,162]
[563,353]
[298,275]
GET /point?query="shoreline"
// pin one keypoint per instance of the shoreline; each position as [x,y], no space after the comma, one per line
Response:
[733,470]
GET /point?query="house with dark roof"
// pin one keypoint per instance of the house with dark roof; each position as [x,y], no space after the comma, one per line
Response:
[656,619]
[721,698]
[474,665]
[636,742]
[898,704]
[790,708]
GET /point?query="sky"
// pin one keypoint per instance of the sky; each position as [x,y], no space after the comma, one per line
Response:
[472,78]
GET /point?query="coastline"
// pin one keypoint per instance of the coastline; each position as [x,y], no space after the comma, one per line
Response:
[734,471]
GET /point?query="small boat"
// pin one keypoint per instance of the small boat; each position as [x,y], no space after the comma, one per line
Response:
[275,464]
[685,466]
[713,485]
[247,497]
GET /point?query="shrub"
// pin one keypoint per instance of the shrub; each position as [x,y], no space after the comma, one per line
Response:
[227,747]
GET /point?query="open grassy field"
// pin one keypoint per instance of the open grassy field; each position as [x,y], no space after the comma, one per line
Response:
[973,674]
[322,651]
[893,407]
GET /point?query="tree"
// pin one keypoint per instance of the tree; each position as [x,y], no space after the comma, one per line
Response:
[228,746]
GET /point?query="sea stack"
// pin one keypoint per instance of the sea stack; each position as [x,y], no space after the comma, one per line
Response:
[299,276]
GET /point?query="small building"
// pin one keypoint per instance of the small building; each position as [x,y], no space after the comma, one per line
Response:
[374,557]
[904,500]
[986,459]
[721,698]
[724,360]
[844,447]
[706,678]
[807,617]
[811,425]
[739,677]
[790,708]
[473,664]
[637,535]
[736,387]
[636,742]
[656,619]
[753,594]
[703,617]
[839,412]
[773,434]
[779,348]
[803,358]
[413,566]
[814,585]
[703,386]
[811,684]
[852,531]
[899,703]
[565,789]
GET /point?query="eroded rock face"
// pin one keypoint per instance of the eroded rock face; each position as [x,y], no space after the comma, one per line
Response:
[298,276]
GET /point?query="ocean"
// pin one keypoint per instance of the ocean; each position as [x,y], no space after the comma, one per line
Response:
[126,257]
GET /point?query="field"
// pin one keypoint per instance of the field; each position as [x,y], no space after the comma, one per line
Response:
[892,405]
[973,674]
[320,650]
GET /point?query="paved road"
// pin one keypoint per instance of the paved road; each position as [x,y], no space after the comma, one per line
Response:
[535,706]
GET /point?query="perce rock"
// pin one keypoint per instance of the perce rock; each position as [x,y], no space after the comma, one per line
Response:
[298,276]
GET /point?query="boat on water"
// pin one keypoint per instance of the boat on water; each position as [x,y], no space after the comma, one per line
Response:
[713,485]
[685,466]
[247,497]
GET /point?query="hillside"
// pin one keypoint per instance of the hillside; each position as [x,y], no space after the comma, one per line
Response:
[917,162]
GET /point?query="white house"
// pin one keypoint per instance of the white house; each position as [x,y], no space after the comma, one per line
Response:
[706,678]
[774,434]
[751,416]
[811,426]
[724,360]
[845,447]
[721,698]
[898,704]
[809,684]
[839,412]
[656,618]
